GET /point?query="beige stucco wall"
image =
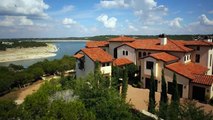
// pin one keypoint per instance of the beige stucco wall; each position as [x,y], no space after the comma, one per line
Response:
[113,45]
[107,69]
[105,49]
[131,53]
[158,66]
[180,80]
[208,90]
[204,53]
[138,61]
[89,67]
[211,92]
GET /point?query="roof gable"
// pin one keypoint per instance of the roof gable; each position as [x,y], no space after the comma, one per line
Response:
[121,61]
[97,54]
[188,70]
[163,56]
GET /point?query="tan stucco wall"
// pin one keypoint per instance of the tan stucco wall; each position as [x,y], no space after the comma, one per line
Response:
[180,80]
[113,45]
[208,89]
[106,69]
[89,67]
[131,53]
[204,53]
[158,66]
[138,61]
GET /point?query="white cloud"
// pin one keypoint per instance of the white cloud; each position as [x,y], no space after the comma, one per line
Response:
[113,4]
[108,22]
[15,20]
[33,8]
[148,11]
[131,27]
[69,21]
[205,21]
[176,22]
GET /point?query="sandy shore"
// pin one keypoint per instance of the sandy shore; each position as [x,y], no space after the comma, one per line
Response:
[15,54]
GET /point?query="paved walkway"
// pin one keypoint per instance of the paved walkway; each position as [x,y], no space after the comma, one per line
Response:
[140,97]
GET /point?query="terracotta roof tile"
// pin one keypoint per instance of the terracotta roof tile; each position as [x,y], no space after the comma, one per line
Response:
[188,70]
[121,39]
[154,44]
[121,61]
[203,79]
[97,44]
[98,54]
[197,42]
[164,56]
[78,55]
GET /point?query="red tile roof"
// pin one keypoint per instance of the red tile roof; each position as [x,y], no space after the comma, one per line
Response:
[97,44]
[78,55]
[121,61]
[98,54]
[164,57]
[188,70]
[121,39]
[154,44]
[203,79]
[197,43]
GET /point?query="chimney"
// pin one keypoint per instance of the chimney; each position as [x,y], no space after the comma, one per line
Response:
[163,39]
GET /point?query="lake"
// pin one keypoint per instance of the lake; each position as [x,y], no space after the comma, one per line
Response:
[64,48]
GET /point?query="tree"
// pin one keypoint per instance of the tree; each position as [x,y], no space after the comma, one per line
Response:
[115,78]
[175,96]
[8,110]
[124,85]
[151,106]
[174,107]
[163,98]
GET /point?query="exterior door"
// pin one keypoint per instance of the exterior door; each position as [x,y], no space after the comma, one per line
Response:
[180,89]
[147,84]
[198,93]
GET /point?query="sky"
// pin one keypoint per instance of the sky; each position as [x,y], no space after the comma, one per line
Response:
[79,18]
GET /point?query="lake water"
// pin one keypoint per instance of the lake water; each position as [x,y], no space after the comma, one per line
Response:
[64,48]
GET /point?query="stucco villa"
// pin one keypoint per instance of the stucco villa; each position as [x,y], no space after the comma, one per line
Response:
[190,60]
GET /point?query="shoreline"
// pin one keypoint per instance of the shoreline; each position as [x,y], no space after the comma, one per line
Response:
[62,40]
[18,54]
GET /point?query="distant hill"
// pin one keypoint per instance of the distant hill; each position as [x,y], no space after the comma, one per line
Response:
[106,37]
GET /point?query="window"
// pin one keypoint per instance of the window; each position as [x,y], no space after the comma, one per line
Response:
[184,58]
[210,60]
[81,64]
[108,64]
[126,53]
[123,52]
[149,53]
[144,54]
[197,58]
[105,64]
[149,65]
[139,54]
[198,48]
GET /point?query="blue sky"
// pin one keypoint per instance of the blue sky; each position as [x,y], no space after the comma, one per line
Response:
[69,18]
